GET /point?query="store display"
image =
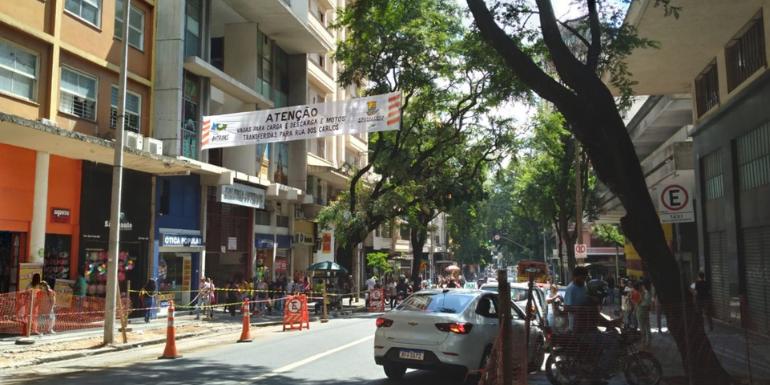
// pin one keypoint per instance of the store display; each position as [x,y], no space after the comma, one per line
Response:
[96,270]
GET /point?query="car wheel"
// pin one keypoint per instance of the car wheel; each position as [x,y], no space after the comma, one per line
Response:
[394,372]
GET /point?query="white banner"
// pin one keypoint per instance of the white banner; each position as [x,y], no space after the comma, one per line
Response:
[368,114]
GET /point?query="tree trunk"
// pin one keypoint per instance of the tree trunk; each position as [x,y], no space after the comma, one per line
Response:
[614,158]
[418,239]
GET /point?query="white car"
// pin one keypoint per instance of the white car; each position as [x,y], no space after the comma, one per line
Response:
[519,296]
[444,329]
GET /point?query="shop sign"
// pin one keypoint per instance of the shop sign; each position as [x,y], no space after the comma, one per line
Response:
[186,274]
[59,215]
[242,195]
[352,116]
[125,225]
[181,240]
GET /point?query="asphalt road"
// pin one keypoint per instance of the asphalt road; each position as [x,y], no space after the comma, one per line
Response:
[339,352]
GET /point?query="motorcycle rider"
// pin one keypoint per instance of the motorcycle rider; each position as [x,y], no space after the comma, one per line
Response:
[588,320]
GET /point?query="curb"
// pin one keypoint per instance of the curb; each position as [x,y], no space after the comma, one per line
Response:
[119,348]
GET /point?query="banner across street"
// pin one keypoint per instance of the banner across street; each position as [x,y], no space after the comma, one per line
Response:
[367,114]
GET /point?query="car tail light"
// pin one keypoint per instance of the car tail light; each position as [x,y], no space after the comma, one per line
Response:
[455,327]
[384,322]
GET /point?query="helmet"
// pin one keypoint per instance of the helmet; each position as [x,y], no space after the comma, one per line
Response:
[597,288]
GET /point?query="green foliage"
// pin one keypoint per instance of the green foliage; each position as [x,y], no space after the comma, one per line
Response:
[378,261]
[609,233]
[449,136]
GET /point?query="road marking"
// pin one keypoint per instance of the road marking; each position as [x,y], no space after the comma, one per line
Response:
[308,360]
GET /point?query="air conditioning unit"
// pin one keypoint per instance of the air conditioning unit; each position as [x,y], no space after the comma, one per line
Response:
[133,140]
[153,146]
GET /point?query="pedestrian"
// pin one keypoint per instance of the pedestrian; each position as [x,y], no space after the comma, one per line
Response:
[79,291]
[701,289]
[392,293]
[147,294]
[213,300]
[576,298]
[555,300]
[35,283]
[47,307]
[232,297]
[644,289]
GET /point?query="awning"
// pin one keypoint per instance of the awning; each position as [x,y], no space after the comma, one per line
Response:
[323,169]
[37,136]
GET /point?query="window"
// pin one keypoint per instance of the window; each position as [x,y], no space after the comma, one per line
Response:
[753,150]
[745,54]
[713,175]
[133,111]
[18,71]
[218,52]
[192,34]
[78,94]
[190,116]
[707,89]
[135,25]
[87,10]
[451,303]
[282,220]
[262,218]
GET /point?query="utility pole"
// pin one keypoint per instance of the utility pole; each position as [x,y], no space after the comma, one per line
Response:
[113,249]
[578,195]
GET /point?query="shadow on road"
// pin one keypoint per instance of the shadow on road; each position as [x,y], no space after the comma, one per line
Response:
[194,371]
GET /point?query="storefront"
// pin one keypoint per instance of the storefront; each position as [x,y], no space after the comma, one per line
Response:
[95,225]
[17,180]
[178,239]
[267,247]
[303,246]
[229,210]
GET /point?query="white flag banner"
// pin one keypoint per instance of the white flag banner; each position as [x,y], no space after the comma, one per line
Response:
[368,114]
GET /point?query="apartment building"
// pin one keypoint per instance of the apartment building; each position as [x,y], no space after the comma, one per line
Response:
[724,70]
[59,64]
[241,55]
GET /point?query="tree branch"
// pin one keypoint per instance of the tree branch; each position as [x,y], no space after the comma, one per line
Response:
[529,73]
[567,65]
[595,49]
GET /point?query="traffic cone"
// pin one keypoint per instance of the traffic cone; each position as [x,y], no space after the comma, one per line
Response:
[245,332]
[170,351]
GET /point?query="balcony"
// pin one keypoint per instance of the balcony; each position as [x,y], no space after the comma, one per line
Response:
[225,82]
[357,143]
[320,76]
[287,22]
[323,33]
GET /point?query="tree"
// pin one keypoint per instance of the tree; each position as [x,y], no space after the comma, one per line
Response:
[378,262]
[447,137]
[563,61]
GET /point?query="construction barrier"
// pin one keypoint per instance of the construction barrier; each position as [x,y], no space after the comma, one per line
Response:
[376,300]
[295,312]
[35,312]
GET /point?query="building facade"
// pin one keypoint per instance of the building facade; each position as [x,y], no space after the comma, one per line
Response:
[724,70]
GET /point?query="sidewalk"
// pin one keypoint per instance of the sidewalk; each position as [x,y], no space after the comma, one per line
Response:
[729,343]
[86,342]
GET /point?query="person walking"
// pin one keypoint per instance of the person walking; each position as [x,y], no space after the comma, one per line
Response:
[701,289]
[643,311]
[147,294]
[576,297]
[232,297]
[47,307]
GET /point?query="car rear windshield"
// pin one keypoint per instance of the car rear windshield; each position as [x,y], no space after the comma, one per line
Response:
[437,302]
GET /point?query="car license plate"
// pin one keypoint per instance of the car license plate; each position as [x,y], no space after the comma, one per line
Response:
[411,355]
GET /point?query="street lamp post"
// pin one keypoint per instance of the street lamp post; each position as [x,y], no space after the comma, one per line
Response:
[117,188]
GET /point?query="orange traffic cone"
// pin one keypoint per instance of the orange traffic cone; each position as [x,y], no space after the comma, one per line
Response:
[245,333]
[170,351]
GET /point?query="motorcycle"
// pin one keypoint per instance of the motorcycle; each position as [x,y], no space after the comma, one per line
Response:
[569,363]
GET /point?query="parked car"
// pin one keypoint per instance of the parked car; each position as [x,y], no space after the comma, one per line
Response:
[445,329]
[519,296]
